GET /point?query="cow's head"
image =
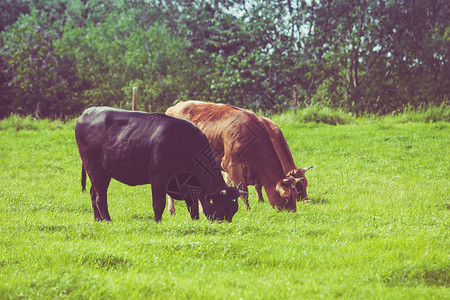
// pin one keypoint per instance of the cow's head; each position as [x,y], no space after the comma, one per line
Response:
[288,192]
[302,183]
[222,204]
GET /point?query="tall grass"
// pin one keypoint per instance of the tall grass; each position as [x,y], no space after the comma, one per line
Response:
[316,114]
[311,114]
[377,226]
[326,115]
[422,114]
[16,122]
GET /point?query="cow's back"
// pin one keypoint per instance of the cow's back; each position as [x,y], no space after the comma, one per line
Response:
[234,134]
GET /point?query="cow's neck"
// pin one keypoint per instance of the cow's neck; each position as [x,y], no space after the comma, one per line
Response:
[271,172]
[285,155]
[280,145]
[211,184]
[274,197]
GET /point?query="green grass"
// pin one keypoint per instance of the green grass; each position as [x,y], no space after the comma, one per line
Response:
[377,226]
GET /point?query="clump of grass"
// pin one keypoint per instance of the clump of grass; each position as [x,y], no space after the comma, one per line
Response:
[17,122]
[431,275]
[317,114]
[333,116]
[427,114]
[325,115]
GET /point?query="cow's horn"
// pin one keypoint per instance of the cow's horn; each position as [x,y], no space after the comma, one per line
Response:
[298,179]
[223,192]
[308,168]
[243,192]
[285,181]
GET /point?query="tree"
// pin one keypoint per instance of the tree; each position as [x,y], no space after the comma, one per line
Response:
[40,76]
[60,56]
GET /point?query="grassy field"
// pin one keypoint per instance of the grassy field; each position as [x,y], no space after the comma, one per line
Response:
[377,226]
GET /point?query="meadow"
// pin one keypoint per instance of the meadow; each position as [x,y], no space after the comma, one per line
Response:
[377,225]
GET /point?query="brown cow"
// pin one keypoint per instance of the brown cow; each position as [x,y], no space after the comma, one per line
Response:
[285,155]
[243,146]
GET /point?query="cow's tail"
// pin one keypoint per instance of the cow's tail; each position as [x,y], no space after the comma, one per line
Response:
[83,179]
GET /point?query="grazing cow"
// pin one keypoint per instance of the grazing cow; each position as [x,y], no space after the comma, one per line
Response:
[285,155]
[137,148]
[244,148]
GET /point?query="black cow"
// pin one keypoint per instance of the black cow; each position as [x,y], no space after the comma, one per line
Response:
[136,148]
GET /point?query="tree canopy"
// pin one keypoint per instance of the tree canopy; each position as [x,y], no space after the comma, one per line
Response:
[58,57]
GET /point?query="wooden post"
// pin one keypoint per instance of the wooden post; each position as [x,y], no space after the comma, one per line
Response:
[134,98]
[294,96]
[38,110]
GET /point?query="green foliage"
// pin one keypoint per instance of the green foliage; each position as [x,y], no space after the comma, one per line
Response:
[376,226]
[10,11]
[58,57]
[40,79]
[113,59]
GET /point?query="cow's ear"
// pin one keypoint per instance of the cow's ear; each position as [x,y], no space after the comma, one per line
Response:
[281,191]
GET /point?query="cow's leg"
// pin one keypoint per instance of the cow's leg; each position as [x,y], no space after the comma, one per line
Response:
[258,188]
[102,205]
[244,188]
[234,171]
[159,200]
[237,177]
[172,210]
[94,204]
[100,181]
[192,207]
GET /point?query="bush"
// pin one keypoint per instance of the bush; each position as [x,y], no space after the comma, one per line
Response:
[428,114]
[320,114]
[317,114]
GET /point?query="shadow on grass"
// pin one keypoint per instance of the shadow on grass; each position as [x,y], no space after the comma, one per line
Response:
[318,200]
[143,217]
[434,274]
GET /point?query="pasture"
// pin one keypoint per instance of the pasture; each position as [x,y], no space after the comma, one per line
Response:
[377,225]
